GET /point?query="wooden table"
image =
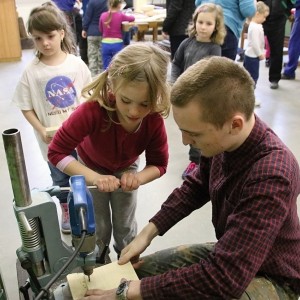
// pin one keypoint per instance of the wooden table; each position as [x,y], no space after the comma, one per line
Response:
[144,24]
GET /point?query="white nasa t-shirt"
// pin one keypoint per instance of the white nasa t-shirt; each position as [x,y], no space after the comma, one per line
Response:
[53,92]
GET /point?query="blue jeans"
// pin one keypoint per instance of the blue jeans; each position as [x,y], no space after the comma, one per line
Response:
[251,64]
[61,179]
[294,47]
[108,52]
[127,35]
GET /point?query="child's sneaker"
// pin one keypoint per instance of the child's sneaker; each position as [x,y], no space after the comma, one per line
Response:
[189,169]
[65,218]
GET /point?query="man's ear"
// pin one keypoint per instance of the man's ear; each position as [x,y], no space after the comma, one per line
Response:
[237,124]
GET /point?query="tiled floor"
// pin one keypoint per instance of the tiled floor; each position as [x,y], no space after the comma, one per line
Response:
[279,108]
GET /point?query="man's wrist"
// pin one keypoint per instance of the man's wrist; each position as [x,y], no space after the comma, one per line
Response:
[122,290]
[134,290]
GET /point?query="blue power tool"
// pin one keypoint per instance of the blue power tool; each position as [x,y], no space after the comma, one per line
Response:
[82,218]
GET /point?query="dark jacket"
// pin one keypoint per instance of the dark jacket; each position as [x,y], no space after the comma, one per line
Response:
[278,8]
[91,17]
[179,14]
[65,5]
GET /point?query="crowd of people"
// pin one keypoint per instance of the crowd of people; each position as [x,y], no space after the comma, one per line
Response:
[109,105]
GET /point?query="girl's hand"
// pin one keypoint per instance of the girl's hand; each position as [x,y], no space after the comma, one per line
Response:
[107,183]
[46,139]
[130,181]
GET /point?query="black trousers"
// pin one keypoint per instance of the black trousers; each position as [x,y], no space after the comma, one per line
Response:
[230,45]
[275,30]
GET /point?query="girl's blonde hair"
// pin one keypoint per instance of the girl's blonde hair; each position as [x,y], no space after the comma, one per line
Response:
[48,17]
[138,62]
[262,8]
[112,4]
[219,33]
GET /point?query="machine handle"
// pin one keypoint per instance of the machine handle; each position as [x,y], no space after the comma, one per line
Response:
[23,220]
[56,190]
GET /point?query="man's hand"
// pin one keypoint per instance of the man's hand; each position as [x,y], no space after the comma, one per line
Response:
[132,251]
[100,295]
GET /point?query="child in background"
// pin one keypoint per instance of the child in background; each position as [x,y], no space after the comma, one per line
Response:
[110,25]
[122,118]
[50,87]
[256,41]
[205,39]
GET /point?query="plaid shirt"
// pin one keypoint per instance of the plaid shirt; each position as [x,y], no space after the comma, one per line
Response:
[253,191]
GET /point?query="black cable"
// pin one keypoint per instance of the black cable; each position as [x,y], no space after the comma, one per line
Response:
[24,290]
[45,289]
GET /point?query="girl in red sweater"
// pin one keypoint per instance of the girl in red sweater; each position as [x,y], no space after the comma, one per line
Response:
[122,118]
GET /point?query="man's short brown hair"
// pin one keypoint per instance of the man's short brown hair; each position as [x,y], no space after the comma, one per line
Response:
[221,86]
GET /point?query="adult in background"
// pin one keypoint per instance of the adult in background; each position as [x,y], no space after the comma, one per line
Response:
[67,6]
[274,28]
[71,9]
[91,31]
[179,14]
[235,14]
[294,47]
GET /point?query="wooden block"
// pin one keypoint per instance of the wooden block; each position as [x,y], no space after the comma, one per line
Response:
[105,277]
[50,131]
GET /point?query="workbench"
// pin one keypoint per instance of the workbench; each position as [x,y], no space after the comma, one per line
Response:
[143,23]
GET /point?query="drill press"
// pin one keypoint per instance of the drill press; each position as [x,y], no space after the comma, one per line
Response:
[43,254]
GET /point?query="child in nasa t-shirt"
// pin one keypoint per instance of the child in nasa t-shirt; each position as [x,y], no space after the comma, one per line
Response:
[51,92]
[50,87]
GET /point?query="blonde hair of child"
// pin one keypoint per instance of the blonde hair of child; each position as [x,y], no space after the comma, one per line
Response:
[219,33]
[262,8]
[138,62]
[48,17]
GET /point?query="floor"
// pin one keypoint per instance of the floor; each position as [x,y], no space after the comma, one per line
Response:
[279,108]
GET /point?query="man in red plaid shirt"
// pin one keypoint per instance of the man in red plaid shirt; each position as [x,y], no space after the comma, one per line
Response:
[252,181]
